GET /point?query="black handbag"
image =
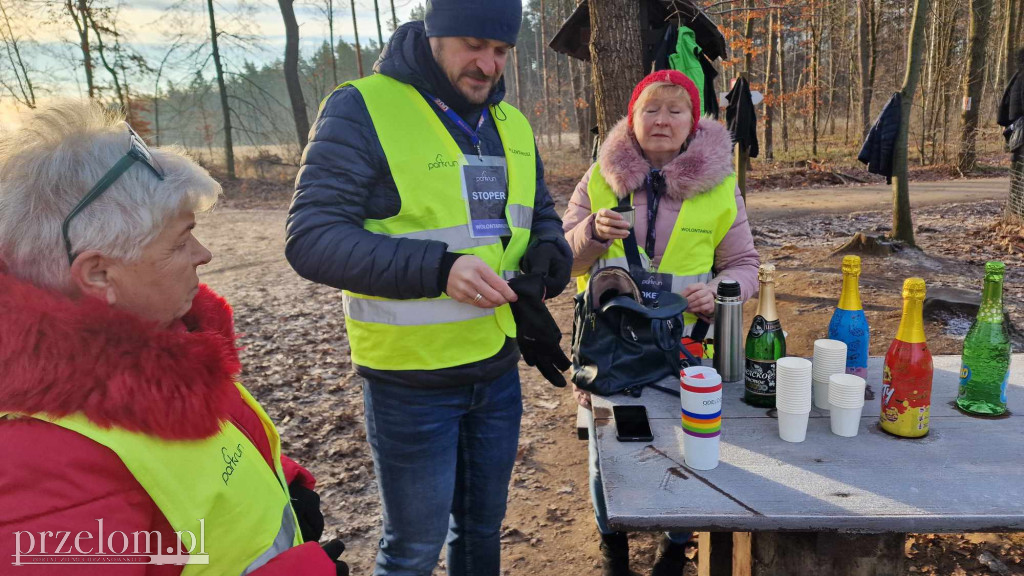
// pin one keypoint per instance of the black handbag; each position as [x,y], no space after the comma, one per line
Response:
[618,342]
[1015,136]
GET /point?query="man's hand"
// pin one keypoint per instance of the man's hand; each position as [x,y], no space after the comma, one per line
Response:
[471,277]
[700,300]
[609,225]
[551,263]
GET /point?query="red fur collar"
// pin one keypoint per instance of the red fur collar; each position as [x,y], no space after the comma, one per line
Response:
[62,356]
[702,166]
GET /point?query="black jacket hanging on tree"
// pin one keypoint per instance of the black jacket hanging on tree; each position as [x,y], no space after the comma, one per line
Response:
[1011,106]
[740,117]
[881,141]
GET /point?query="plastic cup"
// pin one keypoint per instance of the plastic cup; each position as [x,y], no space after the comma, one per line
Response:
[845,421]
[820,394]
[846,391]
[792,427]
[701,399]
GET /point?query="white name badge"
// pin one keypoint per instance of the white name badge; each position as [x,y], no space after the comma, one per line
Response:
[485,189]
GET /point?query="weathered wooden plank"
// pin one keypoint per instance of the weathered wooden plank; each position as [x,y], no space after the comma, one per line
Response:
[966,475]
[741,554]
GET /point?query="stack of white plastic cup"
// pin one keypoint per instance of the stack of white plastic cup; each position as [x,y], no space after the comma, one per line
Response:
[793,397]
[701,397]
[846,395]
[829,359]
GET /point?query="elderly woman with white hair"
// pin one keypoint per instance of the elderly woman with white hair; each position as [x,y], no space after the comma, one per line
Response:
[124,433]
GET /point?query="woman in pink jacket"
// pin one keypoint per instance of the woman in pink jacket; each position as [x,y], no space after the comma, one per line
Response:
[676,168]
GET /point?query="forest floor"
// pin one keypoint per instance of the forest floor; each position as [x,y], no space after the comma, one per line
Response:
[296,355]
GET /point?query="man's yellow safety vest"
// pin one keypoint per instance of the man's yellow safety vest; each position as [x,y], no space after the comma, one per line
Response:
[426,164]
[219,489]
[690,254]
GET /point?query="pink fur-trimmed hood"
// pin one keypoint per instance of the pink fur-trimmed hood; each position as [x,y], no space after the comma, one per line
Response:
[702,166]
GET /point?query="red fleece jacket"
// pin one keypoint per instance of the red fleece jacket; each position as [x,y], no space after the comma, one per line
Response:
[65,356]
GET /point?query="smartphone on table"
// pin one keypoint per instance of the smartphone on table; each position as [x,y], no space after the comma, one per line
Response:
[631,424]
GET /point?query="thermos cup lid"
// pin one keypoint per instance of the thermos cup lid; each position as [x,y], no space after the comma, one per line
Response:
[729,288]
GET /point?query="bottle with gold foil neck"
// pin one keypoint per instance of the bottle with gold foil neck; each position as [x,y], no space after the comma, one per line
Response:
[765,344]
[907,372]
[849,324]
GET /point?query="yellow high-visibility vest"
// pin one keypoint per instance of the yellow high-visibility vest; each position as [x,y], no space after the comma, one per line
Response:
[219,489]
[690,254]
[426,164]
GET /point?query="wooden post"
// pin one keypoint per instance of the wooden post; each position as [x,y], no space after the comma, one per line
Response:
[742,159]
[714,553]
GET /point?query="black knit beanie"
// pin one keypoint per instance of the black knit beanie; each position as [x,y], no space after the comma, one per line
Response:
[490,19]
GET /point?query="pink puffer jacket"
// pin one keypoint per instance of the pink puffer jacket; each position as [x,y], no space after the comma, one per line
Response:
[704,164]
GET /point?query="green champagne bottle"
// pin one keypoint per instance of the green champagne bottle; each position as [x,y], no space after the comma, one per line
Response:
[985,368]
[765,344]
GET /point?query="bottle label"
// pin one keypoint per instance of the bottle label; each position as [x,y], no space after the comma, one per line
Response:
[760,326]
[906,399]
[760,377]
[965,379]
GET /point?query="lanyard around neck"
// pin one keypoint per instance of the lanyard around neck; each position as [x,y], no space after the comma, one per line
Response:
[653,200]
[474,135]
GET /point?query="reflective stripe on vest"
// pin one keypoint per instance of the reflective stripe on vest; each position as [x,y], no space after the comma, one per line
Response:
[223,481]
[426,164]
[689,256]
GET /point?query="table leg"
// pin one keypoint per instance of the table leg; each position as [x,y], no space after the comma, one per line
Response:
[715,553]
[812,553]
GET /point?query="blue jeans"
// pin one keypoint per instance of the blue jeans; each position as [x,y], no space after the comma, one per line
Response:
[443,460]
[597,493]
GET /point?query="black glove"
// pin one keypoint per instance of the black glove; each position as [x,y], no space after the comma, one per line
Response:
[333,549]
[537,333]
[306,504]
[545,258]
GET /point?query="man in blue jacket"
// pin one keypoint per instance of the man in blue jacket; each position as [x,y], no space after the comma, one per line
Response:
[420,194]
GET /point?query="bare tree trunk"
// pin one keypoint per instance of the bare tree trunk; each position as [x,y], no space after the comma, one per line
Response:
[334,48]
[229,151]
[782,84]
[615,53]
[1007,64]
[25,94]
[769,89]
[902,223]
[101,50]
[544,68]
[815,64]
[291,71]
[394,17]
[380,35]
[980,12]
[80,15]
[515,70]
[866,50]
[359,50]
[748,36]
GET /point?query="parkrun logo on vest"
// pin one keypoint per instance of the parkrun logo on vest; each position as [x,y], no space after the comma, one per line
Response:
[440,162]
[231,459]
[99,547]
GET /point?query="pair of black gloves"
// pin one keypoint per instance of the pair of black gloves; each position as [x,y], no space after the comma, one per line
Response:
[546,271]
[306,504]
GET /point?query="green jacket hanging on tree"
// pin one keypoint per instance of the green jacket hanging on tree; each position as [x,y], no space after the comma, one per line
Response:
[686,59]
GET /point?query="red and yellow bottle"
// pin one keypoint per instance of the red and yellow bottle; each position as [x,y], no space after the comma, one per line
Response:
[907,373]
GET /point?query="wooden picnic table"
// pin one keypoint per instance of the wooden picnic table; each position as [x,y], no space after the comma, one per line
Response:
[803,500]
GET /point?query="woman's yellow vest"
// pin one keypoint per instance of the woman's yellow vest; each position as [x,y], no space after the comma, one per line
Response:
[219,489]
[690,253]
[426,163]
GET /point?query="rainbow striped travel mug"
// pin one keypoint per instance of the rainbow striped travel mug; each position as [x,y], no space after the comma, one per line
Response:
[701,397]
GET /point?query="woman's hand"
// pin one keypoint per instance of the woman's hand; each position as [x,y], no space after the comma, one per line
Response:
[609,225]
[582,397]
[700,300]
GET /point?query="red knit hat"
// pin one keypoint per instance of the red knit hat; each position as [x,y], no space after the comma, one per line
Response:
[673,77]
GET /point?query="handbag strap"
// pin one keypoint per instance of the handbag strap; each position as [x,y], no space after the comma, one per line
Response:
[630,245]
